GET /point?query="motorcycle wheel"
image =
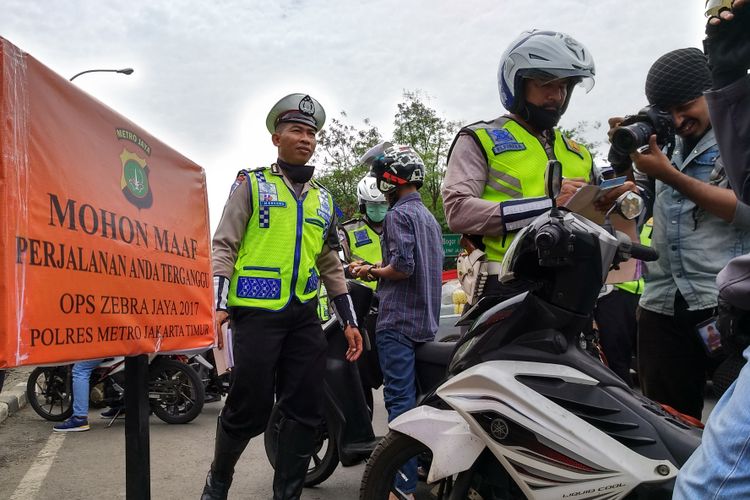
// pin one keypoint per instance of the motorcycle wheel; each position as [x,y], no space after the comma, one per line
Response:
[49,392]
[396,449]
[175,391]
[324,460]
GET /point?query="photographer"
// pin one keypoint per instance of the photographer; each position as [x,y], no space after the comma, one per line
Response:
[699,225]
[720,467]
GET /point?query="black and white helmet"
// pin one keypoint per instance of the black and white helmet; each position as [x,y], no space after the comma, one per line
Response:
[545,55]
[394,165]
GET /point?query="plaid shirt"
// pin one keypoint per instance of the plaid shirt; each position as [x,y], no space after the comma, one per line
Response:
[412,243]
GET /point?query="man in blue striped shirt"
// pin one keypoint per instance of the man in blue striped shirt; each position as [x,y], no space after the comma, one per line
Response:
[410,281]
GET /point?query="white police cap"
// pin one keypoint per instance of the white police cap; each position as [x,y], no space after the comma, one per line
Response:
[300,108]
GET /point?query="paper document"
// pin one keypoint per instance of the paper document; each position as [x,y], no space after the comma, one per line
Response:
[583,201]
[224,358]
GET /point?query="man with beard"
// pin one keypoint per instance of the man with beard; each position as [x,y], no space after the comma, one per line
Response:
[276,238]
[699,225]
[494,183]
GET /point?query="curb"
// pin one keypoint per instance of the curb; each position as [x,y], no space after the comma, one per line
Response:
[11,401]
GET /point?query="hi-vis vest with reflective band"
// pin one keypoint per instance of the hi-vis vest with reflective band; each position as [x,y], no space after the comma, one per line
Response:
[636,286]
[364,243]
[517,162]
[283,239]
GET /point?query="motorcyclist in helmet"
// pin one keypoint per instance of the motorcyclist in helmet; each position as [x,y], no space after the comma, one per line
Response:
[410,283]
[360,235]
[494,183]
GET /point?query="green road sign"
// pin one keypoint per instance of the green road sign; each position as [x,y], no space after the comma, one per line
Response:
[451,247]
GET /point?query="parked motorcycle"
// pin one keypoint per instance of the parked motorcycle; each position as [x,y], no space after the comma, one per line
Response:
[346,436]
[215,385]
[524,411]
[175,392]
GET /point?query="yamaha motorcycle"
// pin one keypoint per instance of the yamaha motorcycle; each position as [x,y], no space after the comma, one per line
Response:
[524,411]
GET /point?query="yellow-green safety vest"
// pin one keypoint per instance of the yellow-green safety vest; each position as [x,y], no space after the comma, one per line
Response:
[636,286]
[517,162]
[364,243]
[277,258]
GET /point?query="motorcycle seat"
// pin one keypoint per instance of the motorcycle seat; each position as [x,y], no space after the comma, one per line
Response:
[436,353]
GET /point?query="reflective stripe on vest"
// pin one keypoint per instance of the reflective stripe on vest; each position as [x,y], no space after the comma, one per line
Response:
[364,243]
[517,162]
[283,239]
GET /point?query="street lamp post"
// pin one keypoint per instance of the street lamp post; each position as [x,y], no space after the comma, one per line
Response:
[124,71]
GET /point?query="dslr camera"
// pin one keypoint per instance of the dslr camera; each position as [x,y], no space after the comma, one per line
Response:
[634,132]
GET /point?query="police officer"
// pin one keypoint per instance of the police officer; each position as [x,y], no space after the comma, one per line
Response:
[276,238]
[494,183]
[361,235]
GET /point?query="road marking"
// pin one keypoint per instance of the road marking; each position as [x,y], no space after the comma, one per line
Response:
[32,481]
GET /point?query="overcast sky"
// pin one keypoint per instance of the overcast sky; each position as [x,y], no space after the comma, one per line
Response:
[207,72]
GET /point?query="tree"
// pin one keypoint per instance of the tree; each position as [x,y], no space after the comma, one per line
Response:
[340,146]
[580,131]
[419,126]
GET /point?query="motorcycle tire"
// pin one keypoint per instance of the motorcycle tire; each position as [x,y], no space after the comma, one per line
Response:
[726,373]
[390,454]
[321,467]
[175,391]
[49,392]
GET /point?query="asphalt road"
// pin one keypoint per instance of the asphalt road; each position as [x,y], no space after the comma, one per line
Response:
[38,464]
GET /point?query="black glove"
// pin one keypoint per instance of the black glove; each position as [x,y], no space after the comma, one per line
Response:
[727,46]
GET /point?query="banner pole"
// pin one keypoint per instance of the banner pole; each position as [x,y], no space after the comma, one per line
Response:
[137,453]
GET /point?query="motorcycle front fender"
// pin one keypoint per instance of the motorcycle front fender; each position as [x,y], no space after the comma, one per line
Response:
[455,447]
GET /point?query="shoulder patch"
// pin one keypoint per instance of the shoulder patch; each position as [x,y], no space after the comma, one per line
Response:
[503,140]
[572,145]
[241,176]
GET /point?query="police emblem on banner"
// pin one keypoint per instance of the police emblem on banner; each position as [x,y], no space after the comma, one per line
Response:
[134,179]
[503,141]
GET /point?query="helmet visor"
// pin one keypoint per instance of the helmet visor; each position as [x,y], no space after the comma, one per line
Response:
[580,77]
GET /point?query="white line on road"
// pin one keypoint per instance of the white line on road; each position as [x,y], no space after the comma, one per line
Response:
[34,477]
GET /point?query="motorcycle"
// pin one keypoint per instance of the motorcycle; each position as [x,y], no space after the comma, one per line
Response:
[524,411]
[346,435]
[175,392]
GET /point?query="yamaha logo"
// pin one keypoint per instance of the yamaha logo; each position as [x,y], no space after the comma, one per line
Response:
[499,429]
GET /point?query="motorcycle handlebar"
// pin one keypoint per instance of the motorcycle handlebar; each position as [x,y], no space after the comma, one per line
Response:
[644,253]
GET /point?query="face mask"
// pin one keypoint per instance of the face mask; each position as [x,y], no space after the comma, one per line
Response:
[541,118]
[376,212]
[298,174]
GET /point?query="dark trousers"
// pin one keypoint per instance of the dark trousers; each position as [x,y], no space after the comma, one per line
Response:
[672,362]
[281,353]
[618,330]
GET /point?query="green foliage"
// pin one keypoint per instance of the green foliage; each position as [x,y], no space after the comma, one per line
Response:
[339,147]
[419,126]
[579,133]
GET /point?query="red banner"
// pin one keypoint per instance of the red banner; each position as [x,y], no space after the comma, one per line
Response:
[105,238]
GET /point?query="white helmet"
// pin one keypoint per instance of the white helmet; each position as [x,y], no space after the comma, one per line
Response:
[546,55]
[368,192]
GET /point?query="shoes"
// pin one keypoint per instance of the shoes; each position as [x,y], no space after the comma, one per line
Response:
[212,397]
[73,424]
[113,413]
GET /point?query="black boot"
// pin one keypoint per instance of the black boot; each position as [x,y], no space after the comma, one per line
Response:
[295,446]
[226,453]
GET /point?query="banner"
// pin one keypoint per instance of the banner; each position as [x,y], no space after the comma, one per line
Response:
[105,237]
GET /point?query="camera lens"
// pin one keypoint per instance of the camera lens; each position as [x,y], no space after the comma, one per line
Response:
[631,137]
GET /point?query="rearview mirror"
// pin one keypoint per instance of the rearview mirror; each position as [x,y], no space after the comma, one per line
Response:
[629,205]
[553,179]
